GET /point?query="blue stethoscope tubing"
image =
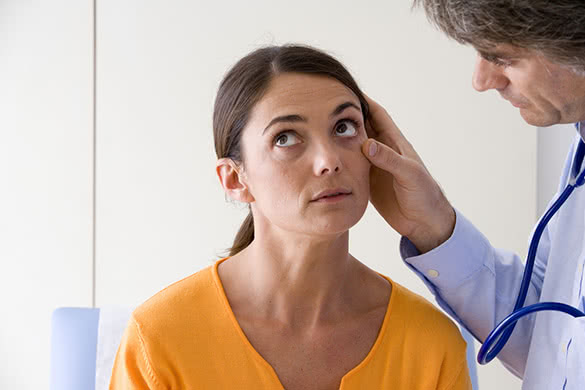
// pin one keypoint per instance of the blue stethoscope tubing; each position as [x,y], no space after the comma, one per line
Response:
[499,336]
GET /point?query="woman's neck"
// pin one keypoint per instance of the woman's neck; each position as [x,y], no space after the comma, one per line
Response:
[298,280]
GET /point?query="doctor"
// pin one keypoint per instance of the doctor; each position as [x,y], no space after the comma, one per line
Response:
[533,53]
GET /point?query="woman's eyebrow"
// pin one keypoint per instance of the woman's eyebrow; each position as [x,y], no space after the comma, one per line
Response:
[285,118]
[343,106]
[297,118]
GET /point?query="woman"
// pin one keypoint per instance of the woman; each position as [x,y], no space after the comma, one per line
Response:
[290,307]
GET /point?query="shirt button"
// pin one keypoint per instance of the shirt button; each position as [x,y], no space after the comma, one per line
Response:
[432,273]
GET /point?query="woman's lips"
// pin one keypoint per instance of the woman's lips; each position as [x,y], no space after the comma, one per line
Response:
[332,199]
[331,192]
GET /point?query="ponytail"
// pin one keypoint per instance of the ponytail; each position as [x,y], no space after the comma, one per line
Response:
[245,235]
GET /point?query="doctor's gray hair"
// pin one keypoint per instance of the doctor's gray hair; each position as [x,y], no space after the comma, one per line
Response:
[246,83]
[555,28]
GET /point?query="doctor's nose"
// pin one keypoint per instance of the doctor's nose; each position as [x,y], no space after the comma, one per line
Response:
[327,162]
[488,76]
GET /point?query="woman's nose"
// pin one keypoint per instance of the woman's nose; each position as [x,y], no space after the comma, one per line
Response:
[488,76]
[327,161]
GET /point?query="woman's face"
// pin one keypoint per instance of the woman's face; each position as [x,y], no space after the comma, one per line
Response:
[303,165]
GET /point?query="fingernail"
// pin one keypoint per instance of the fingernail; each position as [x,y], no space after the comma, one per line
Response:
[372,149]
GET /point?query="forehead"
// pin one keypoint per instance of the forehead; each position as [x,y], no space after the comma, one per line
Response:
[296,91]
[534,59]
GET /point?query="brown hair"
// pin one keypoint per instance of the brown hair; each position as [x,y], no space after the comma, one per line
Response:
[554,28]
[245,84]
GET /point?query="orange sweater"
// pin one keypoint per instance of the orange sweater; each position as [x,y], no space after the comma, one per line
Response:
[187,337]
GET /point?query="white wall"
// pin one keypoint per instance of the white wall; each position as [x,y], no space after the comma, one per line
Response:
[45,178]
[553,145]
[161,214]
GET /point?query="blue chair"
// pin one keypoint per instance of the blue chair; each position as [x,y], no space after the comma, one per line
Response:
[74,339]
[74,334]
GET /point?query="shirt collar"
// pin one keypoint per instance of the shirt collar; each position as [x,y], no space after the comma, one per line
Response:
[580,126]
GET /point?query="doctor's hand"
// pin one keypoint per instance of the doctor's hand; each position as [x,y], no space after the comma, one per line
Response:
[402,189]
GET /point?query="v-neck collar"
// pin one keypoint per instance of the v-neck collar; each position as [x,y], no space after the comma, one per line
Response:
[354,371]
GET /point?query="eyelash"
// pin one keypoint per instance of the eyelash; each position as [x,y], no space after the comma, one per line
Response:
[350,120]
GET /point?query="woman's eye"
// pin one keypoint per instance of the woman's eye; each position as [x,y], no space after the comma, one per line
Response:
[346,128]
[285,139]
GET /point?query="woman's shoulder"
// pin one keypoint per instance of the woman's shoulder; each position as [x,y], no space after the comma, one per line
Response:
[172,331]
[191,295]
[423,320]
[428,345]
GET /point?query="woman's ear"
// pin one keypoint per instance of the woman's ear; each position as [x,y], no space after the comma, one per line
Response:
[231,178]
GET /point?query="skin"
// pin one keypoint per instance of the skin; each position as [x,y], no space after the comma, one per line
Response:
[308,307]
[545,93]
[404,192]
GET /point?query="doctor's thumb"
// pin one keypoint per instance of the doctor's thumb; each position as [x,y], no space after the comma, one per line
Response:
[382,156]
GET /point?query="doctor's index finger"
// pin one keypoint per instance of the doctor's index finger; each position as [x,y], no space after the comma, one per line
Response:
[381,123]
[381,127]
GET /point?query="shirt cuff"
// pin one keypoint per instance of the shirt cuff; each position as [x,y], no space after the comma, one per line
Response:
[455,261]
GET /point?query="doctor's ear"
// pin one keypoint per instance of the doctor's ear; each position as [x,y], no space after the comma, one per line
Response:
[232,178]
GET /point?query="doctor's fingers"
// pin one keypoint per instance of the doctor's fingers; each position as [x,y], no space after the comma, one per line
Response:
[381,127]
[381,123]
[391,151]
[404,169]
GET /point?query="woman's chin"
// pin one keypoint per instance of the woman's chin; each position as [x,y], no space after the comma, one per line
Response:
[334,225]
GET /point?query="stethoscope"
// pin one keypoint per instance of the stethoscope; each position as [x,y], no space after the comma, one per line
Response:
[498,337]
